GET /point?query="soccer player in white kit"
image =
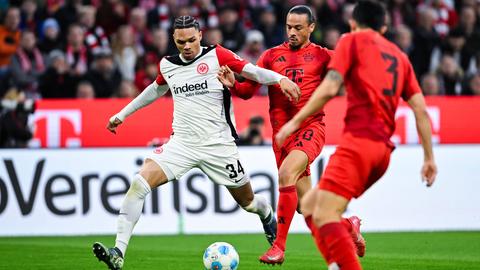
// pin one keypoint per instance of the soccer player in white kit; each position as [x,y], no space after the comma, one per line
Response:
[203,131]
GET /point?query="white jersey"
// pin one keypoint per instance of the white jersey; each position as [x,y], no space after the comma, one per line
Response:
[203,109]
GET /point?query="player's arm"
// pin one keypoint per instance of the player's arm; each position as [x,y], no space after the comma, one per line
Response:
[149,95]
[243,90]
[324,92]
[255,73]
[429,169]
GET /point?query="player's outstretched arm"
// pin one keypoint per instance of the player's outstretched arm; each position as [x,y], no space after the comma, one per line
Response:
[324,92]
[268,77]
[429,169]
[243,90]
[150,94]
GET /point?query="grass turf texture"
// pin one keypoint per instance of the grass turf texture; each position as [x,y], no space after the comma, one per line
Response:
[433,251]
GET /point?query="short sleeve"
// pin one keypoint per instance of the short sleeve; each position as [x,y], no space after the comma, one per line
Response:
[263,59]
[411,86]
[230,59]
[341,60]
[160,80]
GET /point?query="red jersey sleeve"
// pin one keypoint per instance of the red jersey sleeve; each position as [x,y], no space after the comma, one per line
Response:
[230,59]
[343,55]
[160,80]
[411,86]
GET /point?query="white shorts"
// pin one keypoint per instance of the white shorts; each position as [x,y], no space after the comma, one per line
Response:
[220,162]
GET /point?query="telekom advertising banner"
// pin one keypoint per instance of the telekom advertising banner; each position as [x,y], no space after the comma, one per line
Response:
[80,123]
[79,191]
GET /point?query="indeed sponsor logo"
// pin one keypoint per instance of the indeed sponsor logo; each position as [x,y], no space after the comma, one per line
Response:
[190,87]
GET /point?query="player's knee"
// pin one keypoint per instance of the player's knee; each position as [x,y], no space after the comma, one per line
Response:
[286,177]
[323,215]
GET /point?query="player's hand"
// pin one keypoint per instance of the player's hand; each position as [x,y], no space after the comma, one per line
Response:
[226,76]
[429,172]
[113,123]
[290,89]
[287,129]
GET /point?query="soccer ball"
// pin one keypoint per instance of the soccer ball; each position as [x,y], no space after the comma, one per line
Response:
[220,256]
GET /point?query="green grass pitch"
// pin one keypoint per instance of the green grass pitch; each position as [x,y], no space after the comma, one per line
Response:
[406,251]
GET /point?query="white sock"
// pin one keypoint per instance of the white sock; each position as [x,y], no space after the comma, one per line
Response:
[130,211]
[259,206]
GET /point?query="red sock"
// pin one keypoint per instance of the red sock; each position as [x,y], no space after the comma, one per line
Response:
[287,203]
[339,244]
[347,224]
[318,241]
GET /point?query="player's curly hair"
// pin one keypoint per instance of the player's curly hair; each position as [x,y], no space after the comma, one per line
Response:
[183,22]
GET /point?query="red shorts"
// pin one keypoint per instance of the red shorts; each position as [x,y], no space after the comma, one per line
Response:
[309,139]
[356,165]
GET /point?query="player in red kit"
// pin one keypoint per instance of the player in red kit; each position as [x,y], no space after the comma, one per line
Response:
[376,74]
[305,63]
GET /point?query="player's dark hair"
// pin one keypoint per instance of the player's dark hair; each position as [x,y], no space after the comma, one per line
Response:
[183,22]
[302,9]
[370,14]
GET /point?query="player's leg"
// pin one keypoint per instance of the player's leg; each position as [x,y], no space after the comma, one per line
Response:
[257,204]
[331,236]
[150,176]
[303,185]
[222,164]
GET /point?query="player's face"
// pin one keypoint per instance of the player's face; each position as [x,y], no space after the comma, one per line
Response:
[188,42]
[298,30]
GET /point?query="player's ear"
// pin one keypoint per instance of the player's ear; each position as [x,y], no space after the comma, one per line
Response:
[353,25]
[383,29]
[200,35]
[311,27]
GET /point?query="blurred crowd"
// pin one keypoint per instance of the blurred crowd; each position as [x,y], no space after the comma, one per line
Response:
[110,48]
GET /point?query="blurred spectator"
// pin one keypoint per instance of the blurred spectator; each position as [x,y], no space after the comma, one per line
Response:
[232,31]
[325,14]
[253,47]
[77,55]
[445,15]
[330,37]
[468,20]
[27,65]
[212,36]
[160,16]
[104,76]
[14,112]
[347,12]
[454,44]
[430,85]
[401,13]
[94,35]
[124,52]
[85,90]
[141,35]
[67,15]
[145,76]
[31,16]
[160,44]
[253,135]
[425,39]
[50,36]
[57,82]
[273,32]
[403,38]
[111,14]
[474,85]
[450,75]
[127,90]
[205,12]
[9,42]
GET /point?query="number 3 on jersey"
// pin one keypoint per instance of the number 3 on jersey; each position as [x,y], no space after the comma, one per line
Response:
[391,69]
[235,172]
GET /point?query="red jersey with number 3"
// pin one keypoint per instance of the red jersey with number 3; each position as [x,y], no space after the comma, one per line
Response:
[376,73]
[306,67]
